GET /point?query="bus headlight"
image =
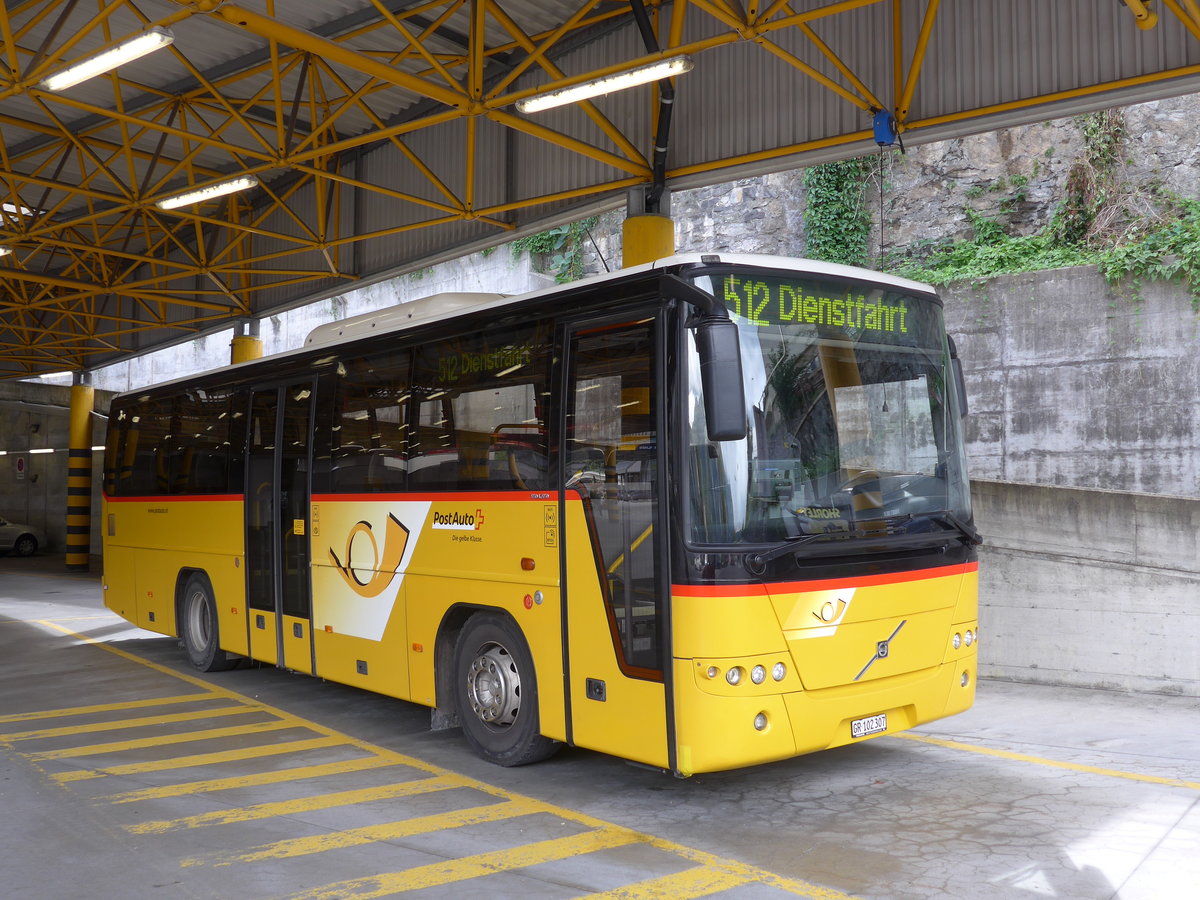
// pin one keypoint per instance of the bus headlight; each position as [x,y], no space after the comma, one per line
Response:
[758,674]
[779,671]
[713,672]
[760,722]
[734,675]
[957,641]
[970,638]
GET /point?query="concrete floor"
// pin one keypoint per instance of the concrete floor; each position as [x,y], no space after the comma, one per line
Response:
[122,774]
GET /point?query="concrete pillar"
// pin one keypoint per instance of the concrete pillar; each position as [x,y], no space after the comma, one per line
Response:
[645,236]
[246,344]
[79,474]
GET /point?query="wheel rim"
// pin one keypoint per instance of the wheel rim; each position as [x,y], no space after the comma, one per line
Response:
[199,623]
[494,685]
[26,546]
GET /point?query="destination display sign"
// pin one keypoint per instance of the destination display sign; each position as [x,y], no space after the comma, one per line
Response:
[767,302]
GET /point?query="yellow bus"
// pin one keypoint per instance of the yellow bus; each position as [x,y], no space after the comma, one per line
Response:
[703,513]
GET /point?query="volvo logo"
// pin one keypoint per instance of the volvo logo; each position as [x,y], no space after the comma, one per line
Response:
[881,650]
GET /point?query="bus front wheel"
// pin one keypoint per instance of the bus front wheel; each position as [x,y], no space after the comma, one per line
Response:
[198,627]
[496,690]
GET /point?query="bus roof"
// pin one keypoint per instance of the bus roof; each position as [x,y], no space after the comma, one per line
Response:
[447,305]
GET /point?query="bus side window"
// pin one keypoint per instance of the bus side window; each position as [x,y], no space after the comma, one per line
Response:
[369,447]
[480,420]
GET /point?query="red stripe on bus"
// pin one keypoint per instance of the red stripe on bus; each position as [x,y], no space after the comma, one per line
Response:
[457,497]
[828,584]
[177,498]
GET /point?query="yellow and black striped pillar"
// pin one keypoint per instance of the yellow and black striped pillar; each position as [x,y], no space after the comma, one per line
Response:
[79,475]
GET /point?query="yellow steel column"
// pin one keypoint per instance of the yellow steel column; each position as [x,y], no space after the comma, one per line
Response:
[79,474]
[246,344]
[645,238]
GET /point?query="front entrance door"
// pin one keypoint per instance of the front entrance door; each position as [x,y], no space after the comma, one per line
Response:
[615,577]
[277,526]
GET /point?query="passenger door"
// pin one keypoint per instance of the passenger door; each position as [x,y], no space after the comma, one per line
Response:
[612,519]
[278,587]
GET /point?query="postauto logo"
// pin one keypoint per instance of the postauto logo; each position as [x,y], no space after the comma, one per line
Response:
[458,521]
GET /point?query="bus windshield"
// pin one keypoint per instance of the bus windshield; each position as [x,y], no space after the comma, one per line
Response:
[852,413]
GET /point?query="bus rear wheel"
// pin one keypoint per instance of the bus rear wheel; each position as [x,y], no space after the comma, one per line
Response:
[198,627]
[496,691]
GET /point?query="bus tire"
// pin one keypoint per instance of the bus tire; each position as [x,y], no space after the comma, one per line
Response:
[198,627]
[496,692]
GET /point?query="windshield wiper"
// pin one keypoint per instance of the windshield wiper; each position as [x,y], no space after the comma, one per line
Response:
[970,535]
[870,538]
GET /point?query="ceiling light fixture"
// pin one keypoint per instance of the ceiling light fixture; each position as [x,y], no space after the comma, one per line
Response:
[199,195]
[656,71]
[127,51]
[4,251]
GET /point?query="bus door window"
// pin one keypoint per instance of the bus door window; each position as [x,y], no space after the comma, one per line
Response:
[293,499]
[260,499]
[611,457]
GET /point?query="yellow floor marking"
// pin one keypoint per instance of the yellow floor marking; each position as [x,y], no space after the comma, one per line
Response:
[372,834]
[202,759]
[103,708]
[467,867]
[298,773]
[298,805]
[755,875]
[162,740]
[119,724]
[699,881]
[1052,763]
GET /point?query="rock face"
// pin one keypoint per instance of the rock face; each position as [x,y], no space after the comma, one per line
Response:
[1015,175]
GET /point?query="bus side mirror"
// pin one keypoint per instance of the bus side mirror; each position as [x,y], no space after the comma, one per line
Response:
[721,378]
[960,384]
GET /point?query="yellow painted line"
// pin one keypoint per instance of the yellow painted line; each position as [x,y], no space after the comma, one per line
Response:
[162,740]
[201,759]
[372,834]
[1051,763]
[793,886]
[68,711]
[119,724]
[467,867]
[298,773]
[298,805]
[698,881]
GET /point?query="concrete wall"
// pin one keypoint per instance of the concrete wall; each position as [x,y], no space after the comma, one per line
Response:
[36,417]
[1073,383]
[1089,588]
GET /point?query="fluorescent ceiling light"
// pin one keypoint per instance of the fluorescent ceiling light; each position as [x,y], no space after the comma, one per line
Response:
[4,251]
[136,47]
[13,210]
[655,71]
[199,195]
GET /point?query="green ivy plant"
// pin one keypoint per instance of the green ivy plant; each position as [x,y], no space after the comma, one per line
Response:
[837,225]
[557,251]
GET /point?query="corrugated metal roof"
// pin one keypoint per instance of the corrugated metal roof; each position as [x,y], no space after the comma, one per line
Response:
[377,154]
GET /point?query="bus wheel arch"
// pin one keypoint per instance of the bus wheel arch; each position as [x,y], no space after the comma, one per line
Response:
[494,689]
[196,622]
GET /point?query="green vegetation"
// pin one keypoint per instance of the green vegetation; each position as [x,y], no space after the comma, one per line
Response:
[837,226]
[557,251]
[1132,232]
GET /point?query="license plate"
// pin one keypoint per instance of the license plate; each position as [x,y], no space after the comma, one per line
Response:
[869,725]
